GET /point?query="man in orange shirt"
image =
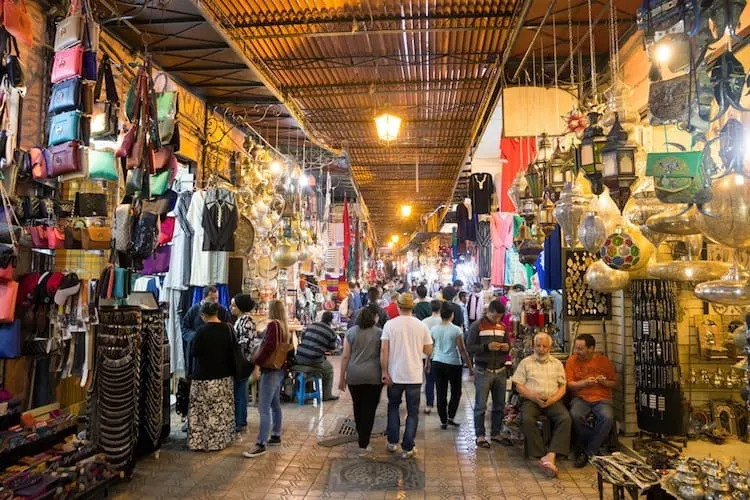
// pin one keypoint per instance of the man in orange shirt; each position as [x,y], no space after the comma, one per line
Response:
[591,378]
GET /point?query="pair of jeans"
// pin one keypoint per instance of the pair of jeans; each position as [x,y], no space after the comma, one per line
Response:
[395,395]
[269,404]
[447,374]
[429,387]
[365,400]
[486,383]
[560,420]
[240,404]
[593,438]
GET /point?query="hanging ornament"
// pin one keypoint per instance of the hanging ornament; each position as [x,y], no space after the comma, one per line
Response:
[729,221]
[569,209]
[516,190]
[284,255]
[607,209]
[620,251]
[725,292]
[602,278]
[680,221]
[642,205]
[592,233]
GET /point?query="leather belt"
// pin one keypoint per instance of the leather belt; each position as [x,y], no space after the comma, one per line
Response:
[488,370]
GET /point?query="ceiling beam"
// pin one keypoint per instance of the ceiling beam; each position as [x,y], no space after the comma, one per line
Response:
[243,35]
[365,21]
[383,87]
[404,147]
[185,48]
[382,61]
[436,121]
[200,69]
[243,101]
[227,85]
[168,20]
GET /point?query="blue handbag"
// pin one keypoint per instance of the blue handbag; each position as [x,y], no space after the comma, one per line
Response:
[121,278]
[64,127]
[10,340]
[66,96]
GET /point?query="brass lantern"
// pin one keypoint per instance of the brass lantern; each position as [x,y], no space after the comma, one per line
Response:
[590,153]
[559,164]
[546,217]
[535,181]
[618,164]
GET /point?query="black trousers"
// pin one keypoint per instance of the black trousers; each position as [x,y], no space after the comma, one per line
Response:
[365,400]
[447,374]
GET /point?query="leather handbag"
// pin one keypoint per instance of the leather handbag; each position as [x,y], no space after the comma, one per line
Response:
[66,96]
[64,159]
[105,122]
[64,127]
[87,99]
[73,238]
[8,261]
[127,143]
[91,205]
[68,63]
[679,177]
[136,152]
[96,238]
[102,165]
[134,181]
[39,236]
[157,263]
[278,357]
[12,63]
[69,32]
[17,21]
[166,105]
[88,65]
[166,130]
[122,223]
[55,238]
[159,183]
[10,340]
[38,162]
[161,205]
[121,279]
[164,158]
[145,236]
[166,231]
[8,295]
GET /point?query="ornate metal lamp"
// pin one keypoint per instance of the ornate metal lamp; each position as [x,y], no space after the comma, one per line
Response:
[590,153]
[560,163]
[545,220]
[535,181]
[618,164]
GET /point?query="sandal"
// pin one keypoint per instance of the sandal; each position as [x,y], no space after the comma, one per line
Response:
[548,468]
[483,443]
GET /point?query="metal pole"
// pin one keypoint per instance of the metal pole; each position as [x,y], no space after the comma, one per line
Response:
[533,41]
[585,37]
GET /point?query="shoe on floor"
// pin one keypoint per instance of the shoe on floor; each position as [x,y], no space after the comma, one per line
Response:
[409,454]
[238,437]
[185,427]
[365,452]
[443,426]
[428,410]
[392,448]
[453,422]
[243,429]
[580,461]
[483,443]
[501,440]
[255,452]
[274,441]
[331,398]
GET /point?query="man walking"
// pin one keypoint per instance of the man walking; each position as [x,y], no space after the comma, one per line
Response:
[318,339]
[404,340]
[475,307]
[373,294]
[489,343]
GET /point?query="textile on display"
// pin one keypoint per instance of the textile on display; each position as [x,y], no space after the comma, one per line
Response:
[484,249]
[501,231]
[481,189]
[465,220]
[206,267]
[515,154]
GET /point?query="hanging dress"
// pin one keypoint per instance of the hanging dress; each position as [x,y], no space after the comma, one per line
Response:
[501,232]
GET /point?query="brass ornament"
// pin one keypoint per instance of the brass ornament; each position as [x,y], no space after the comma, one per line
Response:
[729,221]
[725,292]
[676,221]
[602,278]
[688,270]
[284,256]
[569,209]
[592,232]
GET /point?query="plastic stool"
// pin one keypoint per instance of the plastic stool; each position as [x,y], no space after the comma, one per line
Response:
[302,393]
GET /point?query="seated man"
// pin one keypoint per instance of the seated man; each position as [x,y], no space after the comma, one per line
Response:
[591,379]
[318,339]
[540,380]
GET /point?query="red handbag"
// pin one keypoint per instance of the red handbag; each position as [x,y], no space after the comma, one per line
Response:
[17,21]
[166,231]
[68,63]
[6,273]
[163,158]
[55,238]
[64,158]
[38,163]
[8,295]
[39,236]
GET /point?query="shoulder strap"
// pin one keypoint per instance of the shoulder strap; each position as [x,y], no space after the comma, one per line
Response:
[105,78]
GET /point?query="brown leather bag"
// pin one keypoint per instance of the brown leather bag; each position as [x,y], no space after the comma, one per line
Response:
[96,238]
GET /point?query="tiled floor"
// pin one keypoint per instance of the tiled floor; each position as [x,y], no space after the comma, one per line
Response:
[453,466]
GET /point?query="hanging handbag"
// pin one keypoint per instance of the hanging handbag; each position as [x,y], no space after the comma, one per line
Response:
[164,158]
[136,152]
[122,226]
[166,231]
[91,205]
[73,237]
[166,105]
[158,183]
[158,262]
[102,165]
[38,163]
[679,177]
[134,181]
[96,238]
[88,65]
[69,31]
[161,205]
[55,238]
[67,64]
[120,286]
[39,236]
[166,130]
[64,127]
[8,295]
[8,261]
[145,236]
[17,21]
[104,122]
[64,159]
[12,64]
[10,340]
[66,96]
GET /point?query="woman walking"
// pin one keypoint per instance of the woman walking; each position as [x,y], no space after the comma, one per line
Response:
[448,342]
[269,404]
[360,368]
[244,327]
[211,410]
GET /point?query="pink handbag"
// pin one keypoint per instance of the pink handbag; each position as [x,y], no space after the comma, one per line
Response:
[55,238]
[167,231]
[39,236]
[68,63]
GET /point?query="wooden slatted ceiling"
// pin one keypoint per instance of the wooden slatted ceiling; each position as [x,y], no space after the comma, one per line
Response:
[430,62]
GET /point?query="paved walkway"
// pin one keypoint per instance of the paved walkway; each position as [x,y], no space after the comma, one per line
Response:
[451,464]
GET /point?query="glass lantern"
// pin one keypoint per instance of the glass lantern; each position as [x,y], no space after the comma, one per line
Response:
[590,152]
[618,164]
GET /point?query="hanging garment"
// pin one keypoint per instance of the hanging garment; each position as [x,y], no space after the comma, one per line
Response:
[466,228]
[552,261]
[174,331]
[515,153]
[200,263]
[481,189]
[501,232]
[219,221]
[178,276]
[484,249]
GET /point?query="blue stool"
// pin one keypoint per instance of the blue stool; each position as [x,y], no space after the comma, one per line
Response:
[302,393]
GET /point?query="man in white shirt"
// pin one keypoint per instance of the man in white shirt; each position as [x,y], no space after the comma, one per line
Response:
[475,306]
[404,340]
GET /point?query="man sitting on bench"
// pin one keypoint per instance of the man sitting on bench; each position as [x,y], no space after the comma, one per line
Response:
[591,379]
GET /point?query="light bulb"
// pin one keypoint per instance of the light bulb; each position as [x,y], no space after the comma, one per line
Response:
[663,53]
[276,167]
[405,210]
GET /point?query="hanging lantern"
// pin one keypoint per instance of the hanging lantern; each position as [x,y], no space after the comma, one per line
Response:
[618,164]
[725,292]
[284,256]
[642,205]
[607,209]
[546,217]
[568,211]
[387,126]
[516,190]
[535,181]
[524,233]
[528,210]
[590,152]
[620,251]
[729,220]
[602,278]
[560,163]
[592,233]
